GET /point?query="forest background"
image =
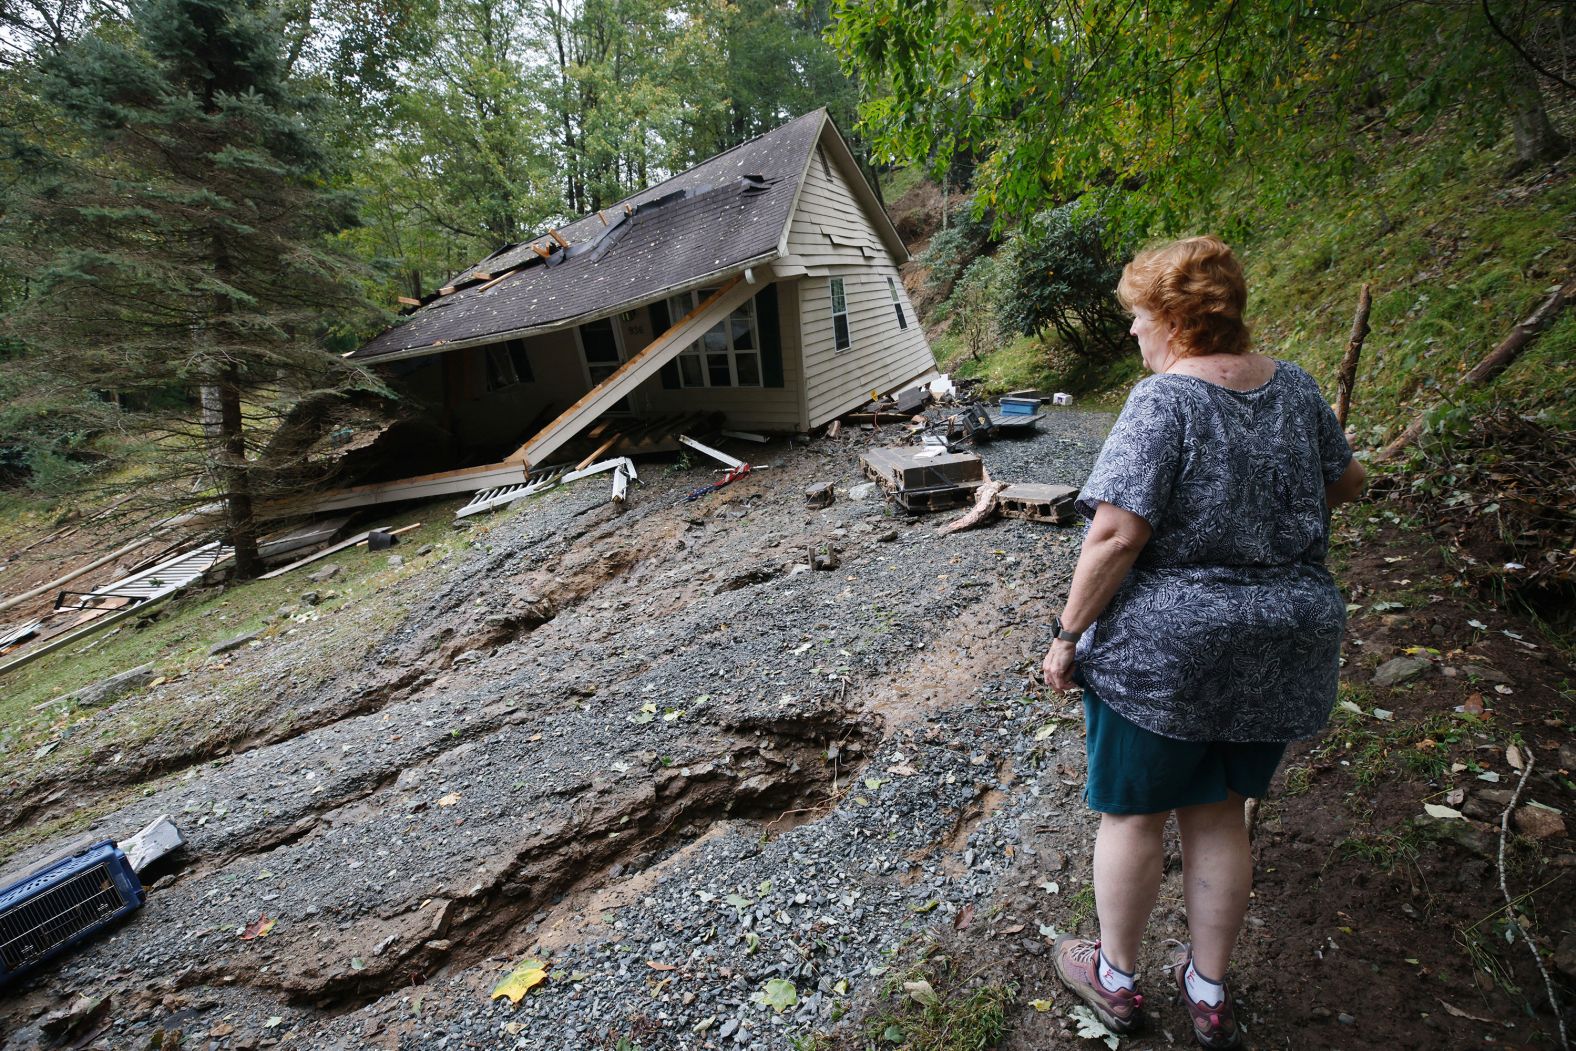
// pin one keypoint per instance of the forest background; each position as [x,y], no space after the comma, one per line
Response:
[355,151]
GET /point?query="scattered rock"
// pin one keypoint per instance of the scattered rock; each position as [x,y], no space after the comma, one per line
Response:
[424,549]
[395,561]
[1486,804]
[1483,671]
[328,572]
[821,494]
[887,537]
[1565,956]
[1397,670]
[75,1016]
[1346,1019]
[310,598]
[1538,822]
[232,644]
[863,491]
[107,691]
[1474,837]
[827,560]
[1568,756]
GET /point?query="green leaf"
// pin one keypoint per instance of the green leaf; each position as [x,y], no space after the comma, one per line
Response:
[779,994]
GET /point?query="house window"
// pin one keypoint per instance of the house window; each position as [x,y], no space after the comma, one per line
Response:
[840,314]
[728,354]
[599,348]
[508,364]
[897,304]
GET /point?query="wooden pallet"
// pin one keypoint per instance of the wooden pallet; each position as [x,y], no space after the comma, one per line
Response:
[1038,503]
[919,500]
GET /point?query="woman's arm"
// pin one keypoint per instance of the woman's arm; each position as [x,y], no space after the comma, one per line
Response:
[1116,536]
[1348,487]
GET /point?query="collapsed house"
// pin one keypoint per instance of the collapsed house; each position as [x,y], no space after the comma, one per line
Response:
[761,287]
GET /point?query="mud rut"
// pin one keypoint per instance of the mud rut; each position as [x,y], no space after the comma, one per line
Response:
[579,701]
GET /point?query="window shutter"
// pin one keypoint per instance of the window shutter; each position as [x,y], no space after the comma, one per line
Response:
[771,336]
[660,322]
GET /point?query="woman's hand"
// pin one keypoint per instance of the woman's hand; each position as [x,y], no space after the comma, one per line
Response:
[1058,666]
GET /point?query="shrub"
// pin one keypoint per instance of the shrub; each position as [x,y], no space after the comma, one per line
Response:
[1062,274]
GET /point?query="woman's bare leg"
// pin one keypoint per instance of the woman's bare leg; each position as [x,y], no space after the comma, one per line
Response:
[1128,864]
[1217,877]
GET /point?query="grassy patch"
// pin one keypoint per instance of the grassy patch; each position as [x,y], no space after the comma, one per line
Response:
[933,1006]
[1034,363]
[176,638]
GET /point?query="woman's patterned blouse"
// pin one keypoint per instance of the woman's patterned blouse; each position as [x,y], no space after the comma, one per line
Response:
[1228,627]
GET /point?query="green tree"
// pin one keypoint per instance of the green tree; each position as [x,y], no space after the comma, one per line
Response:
[1062,98]
[182,260]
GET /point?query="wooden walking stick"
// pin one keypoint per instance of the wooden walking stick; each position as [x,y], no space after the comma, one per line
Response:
[1347,377]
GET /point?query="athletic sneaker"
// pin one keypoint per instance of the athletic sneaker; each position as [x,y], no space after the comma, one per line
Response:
[1078,966]
[1213,1027]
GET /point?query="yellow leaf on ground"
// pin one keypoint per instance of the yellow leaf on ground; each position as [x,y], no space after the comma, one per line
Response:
[520,981]
[449,800]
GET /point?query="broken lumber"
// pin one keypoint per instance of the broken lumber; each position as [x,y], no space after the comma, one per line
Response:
[401,531]
[716,454]
[406,301]
[1347,377]
[58,582]
[623,462]
[359,538]
[1498,359]
[599,451]
[620,483]
[747,436]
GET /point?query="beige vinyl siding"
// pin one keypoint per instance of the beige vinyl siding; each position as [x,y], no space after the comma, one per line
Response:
[832,236]
[746,408]
[881,356]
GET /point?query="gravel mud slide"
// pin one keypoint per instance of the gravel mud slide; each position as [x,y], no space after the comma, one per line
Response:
[652,749]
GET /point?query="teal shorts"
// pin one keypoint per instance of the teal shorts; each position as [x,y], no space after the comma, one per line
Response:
[1137,771]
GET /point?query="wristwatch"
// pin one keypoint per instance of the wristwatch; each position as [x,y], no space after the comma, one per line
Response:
[1062,633]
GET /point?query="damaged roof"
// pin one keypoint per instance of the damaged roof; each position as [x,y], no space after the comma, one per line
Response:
[721,214]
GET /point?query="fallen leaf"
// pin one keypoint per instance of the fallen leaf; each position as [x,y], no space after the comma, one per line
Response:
[1478,624]
[1456,1012]
[704,1024]
[1353,708]
[274,1021]
[1435,810]
[659,966]
[1513,757]
[1040,1005]
[1474,704]
[1091,1028]
[1455,797]
[902,770]
[449,800]
[221,1030]
[1045,731]
[873,783]
[779,994]
[357,964]
[1503,690]
[1016,928]
[922,992]
[258,928]
[1384,714]
[1051,887]
[520,981]
[964,917]
[738,901]
[1491,776]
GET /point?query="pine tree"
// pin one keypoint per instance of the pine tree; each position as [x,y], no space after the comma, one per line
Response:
[182,260]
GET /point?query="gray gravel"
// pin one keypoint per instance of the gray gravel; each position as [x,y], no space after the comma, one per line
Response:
[646,748]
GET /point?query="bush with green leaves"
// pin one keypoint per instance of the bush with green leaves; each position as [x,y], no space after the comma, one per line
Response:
[966,237]
[1062,270]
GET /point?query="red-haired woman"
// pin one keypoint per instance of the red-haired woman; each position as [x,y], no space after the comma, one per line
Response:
[1201,621]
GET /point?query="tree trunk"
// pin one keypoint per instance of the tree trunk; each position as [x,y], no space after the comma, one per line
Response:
[1497,361]
[1537,143]
[237,481]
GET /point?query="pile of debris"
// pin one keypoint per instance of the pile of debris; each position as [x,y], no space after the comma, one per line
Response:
[930,477]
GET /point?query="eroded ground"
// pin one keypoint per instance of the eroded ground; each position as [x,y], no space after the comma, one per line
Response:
[657,752]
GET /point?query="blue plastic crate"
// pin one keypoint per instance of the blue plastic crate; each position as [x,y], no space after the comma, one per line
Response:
[1020,406]
[64,904]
